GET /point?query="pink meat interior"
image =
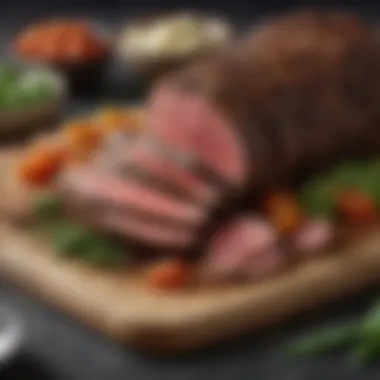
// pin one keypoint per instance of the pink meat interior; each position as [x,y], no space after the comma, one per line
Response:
[191,124]
[94,184]
[245,247]
[141,157]
[179,123]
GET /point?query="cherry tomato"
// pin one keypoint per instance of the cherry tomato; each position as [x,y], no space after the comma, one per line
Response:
[356,207]
[169,274]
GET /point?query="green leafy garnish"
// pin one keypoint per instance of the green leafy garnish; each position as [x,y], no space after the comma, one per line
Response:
[47,206]
[70,239]
[8,74]
[368,342]
[104,253]
[323,340]
[317,196]
[25,88]
[361,336]
[74,240]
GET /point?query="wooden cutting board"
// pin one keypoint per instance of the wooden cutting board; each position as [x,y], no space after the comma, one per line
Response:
[118,304]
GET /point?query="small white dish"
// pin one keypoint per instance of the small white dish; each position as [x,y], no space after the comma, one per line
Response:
[140,49]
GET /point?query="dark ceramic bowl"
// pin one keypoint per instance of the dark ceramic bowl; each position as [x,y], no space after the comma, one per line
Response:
[85,78]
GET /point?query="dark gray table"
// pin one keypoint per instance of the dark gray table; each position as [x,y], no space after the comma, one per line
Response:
[57,347]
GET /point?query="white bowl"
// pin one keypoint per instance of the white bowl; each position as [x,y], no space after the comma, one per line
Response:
[152,62]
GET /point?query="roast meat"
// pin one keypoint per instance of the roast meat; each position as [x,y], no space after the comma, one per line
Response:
[299,92]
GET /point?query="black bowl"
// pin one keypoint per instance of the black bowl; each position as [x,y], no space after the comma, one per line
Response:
[85,79]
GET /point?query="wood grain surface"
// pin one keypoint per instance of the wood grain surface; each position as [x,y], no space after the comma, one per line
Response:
[117,303]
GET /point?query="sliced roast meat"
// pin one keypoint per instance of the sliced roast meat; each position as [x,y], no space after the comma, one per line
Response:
[209,148]
[245,248]
[164,185]
[152,234]
[158,166]
[315,236]
[189,123]
[147,232]
[145,158]
[265,263]
[112,150]
[110,191]
[298,93]
[307,80]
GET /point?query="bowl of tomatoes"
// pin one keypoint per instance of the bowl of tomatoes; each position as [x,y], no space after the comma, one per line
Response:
[77,48]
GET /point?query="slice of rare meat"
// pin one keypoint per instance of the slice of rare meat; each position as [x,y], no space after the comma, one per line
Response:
[148,232]
[247,247]
[189,123]
[265,263]
[145,158]
[315,236]
[109,191]
[153,234]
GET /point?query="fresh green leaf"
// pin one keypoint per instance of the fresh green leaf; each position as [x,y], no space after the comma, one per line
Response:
[70,239]
[317,198]
[13,98]
[104,254]
[369,332]
[362,354]
[8,74]
[75,240]
[25,88]
[47,205]
[368,338]
[323,340]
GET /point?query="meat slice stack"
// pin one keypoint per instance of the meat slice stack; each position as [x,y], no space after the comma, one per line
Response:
[160,189]
[298,93]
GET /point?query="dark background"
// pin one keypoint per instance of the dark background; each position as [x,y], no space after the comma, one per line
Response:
[59,348]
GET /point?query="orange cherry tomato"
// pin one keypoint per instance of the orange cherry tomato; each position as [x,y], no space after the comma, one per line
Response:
[356,207]
[40,166]
[81,139]
[82,134]
[283,212]
[169,274]
[110,119]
